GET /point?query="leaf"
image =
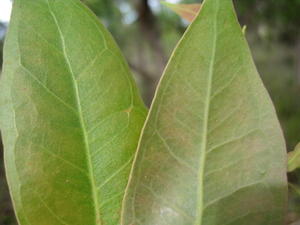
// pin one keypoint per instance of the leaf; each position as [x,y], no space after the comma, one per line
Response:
[186,11]
[212,150]
[70,116]
[294,159]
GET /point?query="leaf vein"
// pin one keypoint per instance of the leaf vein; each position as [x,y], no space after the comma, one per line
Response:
[232,140]
[178,159]
[28,72]
[115,173]
[86,143]
[231,193]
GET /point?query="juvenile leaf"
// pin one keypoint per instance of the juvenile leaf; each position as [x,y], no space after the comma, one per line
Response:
[186,11]
[294,159]
[70,116]
[212,151]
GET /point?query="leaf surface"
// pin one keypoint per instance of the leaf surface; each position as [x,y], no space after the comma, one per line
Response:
[294,159]
[186,11]
[70,116]
[212,150]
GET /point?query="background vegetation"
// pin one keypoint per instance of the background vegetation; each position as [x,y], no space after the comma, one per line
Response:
[147,33]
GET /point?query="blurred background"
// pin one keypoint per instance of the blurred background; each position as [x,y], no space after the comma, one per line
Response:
[147,32]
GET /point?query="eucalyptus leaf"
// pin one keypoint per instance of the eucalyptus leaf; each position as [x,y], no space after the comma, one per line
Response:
[70,116]
[294,159]
[212,150]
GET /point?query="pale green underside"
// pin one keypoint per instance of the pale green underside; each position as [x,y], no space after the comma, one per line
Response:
[212,151]
[70,116]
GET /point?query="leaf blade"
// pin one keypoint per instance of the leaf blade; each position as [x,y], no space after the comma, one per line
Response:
[61,71]
[211,137]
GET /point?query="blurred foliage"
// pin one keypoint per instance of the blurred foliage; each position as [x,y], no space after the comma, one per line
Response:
[284,14]
[294,159]
[147,33]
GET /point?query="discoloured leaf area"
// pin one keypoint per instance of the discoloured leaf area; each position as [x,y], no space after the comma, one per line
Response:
[212,151]
[186,11]
[70,116]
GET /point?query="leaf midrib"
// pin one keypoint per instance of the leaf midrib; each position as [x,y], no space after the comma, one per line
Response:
[203,147]
[81,120]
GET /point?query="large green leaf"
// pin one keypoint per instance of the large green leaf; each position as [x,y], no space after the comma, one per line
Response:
[70,116]
[212,151]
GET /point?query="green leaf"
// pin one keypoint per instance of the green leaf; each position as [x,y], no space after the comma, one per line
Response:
[212,150]
[186,11]
[70,116]
[294,159]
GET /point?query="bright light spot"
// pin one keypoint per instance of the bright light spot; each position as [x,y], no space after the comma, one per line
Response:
[173,1]
[5,10]
[156,5]
[129,15]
